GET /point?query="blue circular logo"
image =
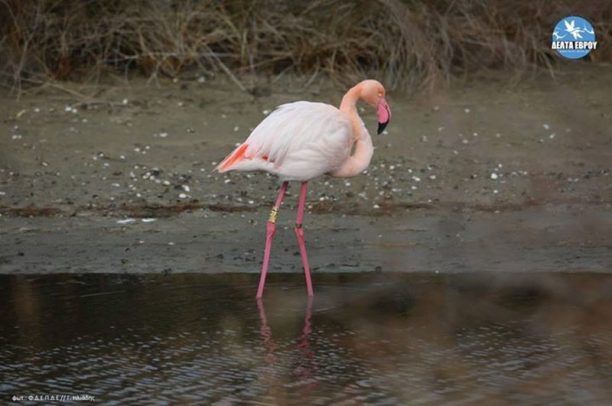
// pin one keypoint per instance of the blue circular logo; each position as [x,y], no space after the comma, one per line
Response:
[573,37]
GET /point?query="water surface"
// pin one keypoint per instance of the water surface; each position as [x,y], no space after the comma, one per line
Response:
[364,338]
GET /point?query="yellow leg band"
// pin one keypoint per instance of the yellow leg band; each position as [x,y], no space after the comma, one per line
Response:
[273,215]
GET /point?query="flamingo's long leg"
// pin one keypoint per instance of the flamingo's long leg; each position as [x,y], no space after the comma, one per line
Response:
[270,230]
[299,233]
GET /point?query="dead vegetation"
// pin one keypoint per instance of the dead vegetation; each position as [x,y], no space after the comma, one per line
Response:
[404,43]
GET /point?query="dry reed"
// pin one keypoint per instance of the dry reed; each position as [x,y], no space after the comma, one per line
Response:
[404,43]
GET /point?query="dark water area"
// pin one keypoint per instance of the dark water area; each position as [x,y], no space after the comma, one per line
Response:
[363,339]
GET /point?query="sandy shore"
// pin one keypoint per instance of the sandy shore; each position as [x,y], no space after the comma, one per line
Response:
[482,177]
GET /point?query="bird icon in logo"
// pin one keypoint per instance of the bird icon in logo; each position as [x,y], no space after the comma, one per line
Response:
[570,27]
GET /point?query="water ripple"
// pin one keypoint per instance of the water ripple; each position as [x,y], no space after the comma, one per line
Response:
[394,339]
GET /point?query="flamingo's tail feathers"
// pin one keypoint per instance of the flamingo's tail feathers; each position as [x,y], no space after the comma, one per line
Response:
[236,156]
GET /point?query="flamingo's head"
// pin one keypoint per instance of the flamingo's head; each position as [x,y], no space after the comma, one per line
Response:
[373,93]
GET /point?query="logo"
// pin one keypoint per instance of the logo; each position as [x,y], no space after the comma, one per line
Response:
[573,37]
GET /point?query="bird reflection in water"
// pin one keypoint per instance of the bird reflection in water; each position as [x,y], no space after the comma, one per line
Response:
[305,366]
[266,333]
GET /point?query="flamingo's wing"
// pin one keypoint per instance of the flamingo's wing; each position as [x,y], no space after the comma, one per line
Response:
[297,141]
[299,127]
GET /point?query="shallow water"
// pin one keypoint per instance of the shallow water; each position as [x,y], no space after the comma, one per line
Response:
[365,338]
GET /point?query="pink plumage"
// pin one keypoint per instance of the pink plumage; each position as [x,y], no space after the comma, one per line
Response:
[297,141]
[304,140]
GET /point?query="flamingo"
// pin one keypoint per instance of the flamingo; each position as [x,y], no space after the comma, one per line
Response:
[303,140]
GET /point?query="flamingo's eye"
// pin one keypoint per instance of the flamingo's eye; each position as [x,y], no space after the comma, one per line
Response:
[380,94]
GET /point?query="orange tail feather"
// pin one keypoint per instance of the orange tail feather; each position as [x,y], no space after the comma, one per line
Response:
[236,156]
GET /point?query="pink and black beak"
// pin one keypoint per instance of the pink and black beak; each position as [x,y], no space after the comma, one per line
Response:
[384,114]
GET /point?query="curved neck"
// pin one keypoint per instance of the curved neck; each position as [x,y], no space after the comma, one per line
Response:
[362,154]
[350,100]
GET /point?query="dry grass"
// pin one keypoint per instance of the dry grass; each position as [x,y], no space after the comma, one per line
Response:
[404,43]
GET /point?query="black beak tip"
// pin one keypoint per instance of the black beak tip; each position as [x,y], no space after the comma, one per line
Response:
[381,127]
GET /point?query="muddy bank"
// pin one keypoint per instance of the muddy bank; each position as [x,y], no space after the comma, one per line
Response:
[485,172]
[539,239]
